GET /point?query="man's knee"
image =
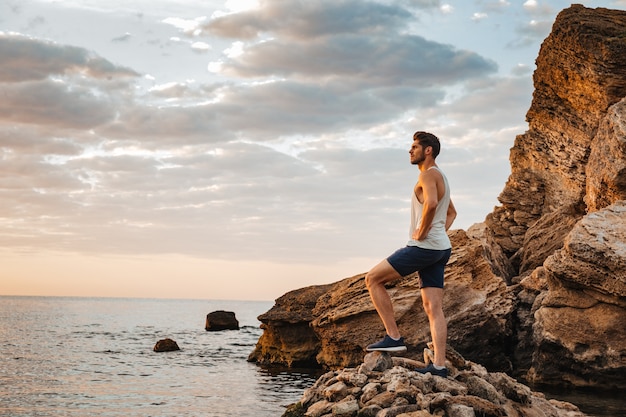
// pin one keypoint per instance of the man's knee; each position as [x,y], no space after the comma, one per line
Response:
[432,300]
[370,280]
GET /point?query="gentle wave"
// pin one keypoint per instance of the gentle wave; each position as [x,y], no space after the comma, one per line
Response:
[93,356]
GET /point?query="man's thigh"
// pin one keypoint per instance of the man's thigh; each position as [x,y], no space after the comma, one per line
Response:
[382,273]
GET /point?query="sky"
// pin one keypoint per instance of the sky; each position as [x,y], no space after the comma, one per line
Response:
[238,150]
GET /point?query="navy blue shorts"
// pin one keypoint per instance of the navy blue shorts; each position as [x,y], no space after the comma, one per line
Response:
[430,264]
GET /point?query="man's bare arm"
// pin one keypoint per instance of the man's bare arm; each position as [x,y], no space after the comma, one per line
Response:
[431,200]
[450,215]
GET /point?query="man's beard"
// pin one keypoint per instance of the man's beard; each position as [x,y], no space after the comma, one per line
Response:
[418,161]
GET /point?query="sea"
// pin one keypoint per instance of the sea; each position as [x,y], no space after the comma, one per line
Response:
[62,356]
[84,357]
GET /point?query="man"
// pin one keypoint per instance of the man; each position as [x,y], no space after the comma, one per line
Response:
[427,251]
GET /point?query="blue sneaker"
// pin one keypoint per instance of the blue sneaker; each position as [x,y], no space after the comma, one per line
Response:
[431,369]
[387,345]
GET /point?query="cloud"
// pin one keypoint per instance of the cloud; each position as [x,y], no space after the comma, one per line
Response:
[285,154]
[123,38]
[531,32]
[307,20]
[25,59]
[378,60]
[53,103]
[478,16]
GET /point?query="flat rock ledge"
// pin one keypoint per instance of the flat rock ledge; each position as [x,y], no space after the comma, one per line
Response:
[385,386]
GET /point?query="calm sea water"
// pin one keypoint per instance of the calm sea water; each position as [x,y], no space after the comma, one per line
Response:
[93,357]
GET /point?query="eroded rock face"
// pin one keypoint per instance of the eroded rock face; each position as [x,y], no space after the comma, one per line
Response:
[579,328]
[581,72]
[287,337]
[606,170]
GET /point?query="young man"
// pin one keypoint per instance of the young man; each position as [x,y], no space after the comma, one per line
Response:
[427,251]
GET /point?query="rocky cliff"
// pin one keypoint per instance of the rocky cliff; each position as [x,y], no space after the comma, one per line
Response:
[539,289]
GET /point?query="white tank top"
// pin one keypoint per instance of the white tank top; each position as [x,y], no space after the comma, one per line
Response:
[437,237]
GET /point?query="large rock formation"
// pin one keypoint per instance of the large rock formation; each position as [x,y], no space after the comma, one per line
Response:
[539,289]
[581,73]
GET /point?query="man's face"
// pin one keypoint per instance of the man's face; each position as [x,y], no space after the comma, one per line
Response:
[417,153]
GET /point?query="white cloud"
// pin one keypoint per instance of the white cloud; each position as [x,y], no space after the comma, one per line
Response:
[530,4]
[479,16]
[200,46]
[190,27]
[447,8]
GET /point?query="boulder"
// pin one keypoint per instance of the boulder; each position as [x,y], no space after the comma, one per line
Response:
[579,332]
[288,338]
[166,345]
[221,320]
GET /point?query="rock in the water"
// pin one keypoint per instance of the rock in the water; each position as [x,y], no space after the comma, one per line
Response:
[166,345]
[221,320]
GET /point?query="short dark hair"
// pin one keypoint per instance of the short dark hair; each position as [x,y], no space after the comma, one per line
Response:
[428,139]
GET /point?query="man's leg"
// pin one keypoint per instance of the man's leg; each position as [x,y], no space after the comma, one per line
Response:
[432,299]
[375,281]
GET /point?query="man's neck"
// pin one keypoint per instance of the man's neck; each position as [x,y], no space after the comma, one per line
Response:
[427,164]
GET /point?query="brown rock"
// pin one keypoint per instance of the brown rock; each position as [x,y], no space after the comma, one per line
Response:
[383,400]
[399,391]
[546,236]
[221,320]
[594,253]
[606,170]
[288,338]
[166,345]
[579,328]
[581,72]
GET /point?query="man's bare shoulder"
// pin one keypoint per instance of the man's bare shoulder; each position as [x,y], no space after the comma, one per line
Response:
[431,174]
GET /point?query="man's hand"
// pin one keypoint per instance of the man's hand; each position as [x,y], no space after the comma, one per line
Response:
[417,235]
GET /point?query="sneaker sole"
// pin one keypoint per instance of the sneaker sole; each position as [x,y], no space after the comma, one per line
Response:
[387,349]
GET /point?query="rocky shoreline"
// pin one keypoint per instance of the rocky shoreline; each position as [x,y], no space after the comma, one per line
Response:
[385,386]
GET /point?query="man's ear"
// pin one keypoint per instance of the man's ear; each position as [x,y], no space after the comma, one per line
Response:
[428,150]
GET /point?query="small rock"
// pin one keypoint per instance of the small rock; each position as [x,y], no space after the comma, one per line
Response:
[166,345]
[221,320]
[319,409]
[460,410]
[345,408]
[369,411]
[370,391]
[377,361]
[336,392]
